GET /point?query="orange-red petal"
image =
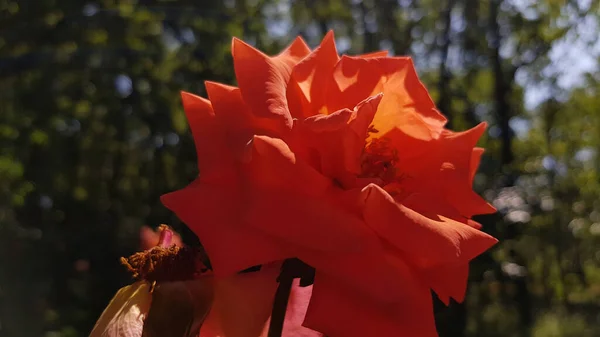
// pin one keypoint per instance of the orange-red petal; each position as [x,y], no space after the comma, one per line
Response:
[337,310]
[338,139]
[377,271]
[208,133]
[428,240]
[288,200]
[448,281]
[353,80]
[406,106]
[309,75]
[295,313]
[238,122]
[211,211]
[443,169]
[263,80]
[242,304]
[381,53]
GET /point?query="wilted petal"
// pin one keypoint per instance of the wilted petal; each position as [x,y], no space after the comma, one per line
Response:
[124,316]
[179,308]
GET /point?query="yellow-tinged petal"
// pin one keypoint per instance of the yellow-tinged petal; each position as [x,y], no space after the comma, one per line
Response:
[308,76]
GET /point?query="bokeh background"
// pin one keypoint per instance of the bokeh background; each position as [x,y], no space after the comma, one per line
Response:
[92,132]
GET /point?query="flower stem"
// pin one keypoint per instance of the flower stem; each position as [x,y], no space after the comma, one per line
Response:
[281,300]
[290,269]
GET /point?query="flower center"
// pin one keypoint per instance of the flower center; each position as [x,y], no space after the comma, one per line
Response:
[379,160]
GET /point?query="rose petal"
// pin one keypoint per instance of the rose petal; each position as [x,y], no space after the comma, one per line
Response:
[378,271]
[353,80]
[289,200]
[339,138]
[448,281]
[407,105]
[406,108]
[428,241]
[263,79]
[239,124]
[242,304]
[309,75]
[474,224]
[211,212]
[295,313]
[207,133]
[443,168]
[337,310]
[382,53]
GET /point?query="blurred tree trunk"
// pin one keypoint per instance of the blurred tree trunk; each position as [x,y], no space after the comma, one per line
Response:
[502,85]
[370,41]
[444,102]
